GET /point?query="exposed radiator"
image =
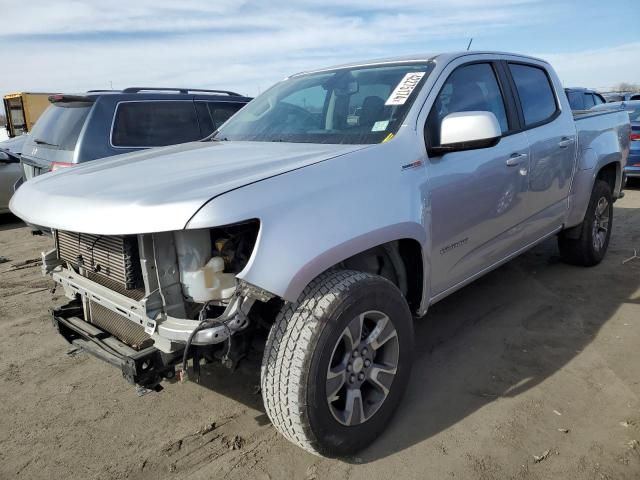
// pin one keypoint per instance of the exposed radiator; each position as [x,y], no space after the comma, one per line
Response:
[118,326]
[112,259]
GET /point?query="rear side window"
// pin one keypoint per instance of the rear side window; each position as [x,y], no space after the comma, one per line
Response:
[588,101]
[154,123]
[535,92]
[60,125]
[214,114]
[576,100]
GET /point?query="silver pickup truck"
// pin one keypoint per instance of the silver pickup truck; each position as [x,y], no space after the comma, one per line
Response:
[332,209]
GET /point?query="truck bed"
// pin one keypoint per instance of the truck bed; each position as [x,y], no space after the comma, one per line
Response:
[582,114]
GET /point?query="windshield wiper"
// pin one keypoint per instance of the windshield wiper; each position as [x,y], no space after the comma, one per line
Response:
[44,142]
[213,138]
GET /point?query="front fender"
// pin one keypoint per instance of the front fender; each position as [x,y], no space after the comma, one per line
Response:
[328,256]
[320,215]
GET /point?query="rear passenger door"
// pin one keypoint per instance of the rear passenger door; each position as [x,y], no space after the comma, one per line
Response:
[552,139]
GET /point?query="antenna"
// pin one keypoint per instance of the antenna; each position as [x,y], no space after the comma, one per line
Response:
[469,46]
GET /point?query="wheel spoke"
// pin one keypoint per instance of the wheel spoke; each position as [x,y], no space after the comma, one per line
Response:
[355,363]
[383,332]
[354,331]
[601,223]
[335,381]
[354,411]
[602,206]
[381,376]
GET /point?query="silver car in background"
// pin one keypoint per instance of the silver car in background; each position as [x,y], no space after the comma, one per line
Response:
[10,170]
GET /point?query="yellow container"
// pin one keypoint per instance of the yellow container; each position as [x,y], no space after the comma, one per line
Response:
[23,109]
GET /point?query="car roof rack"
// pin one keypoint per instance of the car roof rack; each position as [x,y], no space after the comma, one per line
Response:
[180,90]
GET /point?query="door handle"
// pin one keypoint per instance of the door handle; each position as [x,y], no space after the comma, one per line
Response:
[516,159]
[565,142]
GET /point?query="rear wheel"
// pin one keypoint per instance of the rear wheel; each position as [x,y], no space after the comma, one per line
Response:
[590,247]
[337,362]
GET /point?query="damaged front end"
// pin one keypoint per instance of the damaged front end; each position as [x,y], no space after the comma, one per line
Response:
[147,302]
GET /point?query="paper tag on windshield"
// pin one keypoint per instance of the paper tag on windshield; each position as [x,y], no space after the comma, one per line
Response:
[403,90]
[380,126]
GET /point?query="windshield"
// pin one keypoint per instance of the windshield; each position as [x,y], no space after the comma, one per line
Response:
[60,125]
[352,105]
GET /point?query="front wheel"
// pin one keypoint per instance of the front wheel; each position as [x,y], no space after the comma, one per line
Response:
[590,247]
[337,362]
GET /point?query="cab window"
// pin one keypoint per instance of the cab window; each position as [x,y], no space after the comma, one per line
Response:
[535,93]
[469,88]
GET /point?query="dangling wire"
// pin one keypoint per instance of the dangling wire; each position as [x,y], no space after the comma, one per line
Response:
[204,324]
[202,317]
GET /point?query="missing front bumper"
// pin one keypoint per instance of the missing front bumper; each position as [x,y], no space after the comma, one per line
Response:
[168,333]
[146,367]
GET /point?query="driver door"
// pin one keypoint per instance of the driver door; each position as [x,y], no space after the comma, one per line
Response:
[477,196]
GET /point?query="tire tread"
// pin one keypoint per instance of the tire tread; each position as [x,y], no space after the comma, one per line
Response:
[579,251]
[288,352]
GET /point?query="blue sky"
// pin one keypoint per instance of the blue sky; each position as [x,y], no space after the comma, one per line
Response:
[72,45]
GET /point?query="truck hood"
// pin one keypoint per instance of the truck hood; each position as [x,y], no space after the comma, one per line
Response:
[159,189]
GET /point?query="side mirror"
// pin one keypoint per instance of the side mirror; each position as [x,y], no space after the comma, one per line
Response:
[467,131]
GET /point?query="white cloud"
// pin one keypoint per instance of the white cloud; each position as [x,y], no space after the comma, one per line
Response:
[64,16]
[600,68]
[73,45]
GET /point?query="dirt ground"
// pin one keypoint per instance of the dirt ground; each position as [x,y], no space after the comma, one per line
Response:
[536,359]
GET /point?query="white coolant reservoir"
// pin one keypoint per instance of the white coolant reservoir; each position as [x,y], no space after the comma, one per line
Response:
[209,282]
[203,278]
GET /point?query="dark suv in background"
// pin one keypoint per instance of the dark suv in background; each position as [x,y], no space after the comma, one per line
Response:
[98,124]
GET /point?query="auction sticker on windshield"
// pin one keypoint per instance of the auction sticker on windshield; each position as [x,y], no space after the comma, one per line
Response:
[403,90]
[380,126]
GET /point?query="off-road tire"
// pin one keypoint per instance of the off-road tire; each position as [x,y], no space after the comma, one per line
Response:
[295,362]
[581,250]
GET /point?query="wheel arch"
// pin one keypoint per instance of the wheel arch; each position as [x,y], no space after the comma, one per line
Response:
[612,174]
[407,240]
